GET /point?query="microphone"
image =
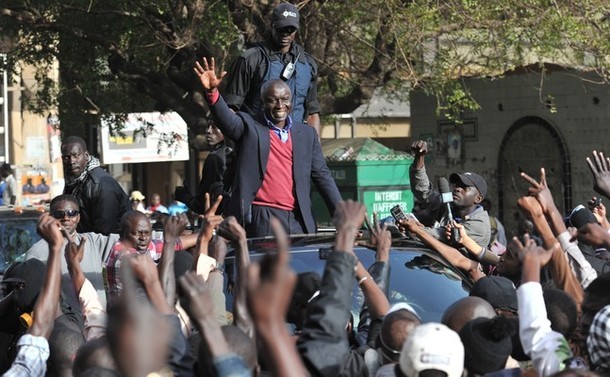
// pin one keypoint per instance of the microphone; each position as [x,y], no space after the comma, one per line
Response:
[447,199]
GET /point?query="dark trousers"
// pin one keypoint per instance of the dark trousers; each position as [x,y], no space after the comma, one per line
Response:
[260,226]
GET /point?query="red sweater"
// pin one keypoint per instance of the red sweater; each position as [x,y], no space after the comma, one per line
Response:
[277,190]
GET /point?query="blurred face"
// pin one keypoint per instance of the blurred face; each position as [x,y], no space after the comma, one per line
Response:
[284,37]
[155,200]
[68,215]
[213,135]
[139,234]
[74,159]
[277,102]
[509,265]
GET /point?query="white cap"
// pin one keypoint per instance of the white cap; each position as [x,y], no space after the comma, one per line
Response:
[432,346]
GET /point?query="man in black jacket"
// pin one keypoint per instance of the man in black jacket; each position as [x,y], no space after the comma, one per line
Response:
[101,199]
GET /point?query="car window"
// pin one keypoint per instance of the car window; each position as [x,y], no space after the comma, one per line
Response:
[428,285]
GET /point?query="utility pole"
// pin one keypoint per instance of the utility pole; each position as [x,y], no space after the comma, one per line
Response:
[4,128]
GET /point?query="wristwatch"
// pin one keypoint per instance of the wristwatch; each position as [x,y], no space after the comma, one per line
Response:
[220,267]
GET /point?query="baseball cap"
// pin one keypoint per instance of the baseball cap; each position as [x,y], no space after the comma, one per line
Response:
[470,179]
[499,291]
[136,195]
[285,15]
[432,346]
[30,273]
[580,216]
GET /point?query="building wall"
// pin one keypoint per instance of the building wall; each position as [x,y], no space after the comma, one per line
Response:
[581,121]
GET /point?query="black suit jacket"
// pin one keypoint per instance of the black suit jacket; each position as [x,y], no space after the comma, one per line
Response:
[252,139]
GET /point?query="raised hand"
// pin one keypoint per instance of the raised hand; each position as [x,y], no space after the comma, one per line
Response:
[540,190]
[231,230]
[174,226]
[195,291]
[207,74]
[74,253]
[419,148]
[529,247]
[270,284]
[530,206]
[349,215]
[600,167]
[50,229]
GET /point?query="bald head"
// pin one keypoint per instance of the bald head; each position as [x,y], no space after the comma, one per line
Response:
[466,309]
[395,330]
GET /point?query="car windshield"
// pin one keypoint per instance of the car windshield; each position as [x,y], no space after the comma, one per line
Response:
[416,277]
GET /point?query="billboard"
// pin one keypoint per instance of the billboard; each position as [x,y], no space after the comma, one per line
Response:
[145,137]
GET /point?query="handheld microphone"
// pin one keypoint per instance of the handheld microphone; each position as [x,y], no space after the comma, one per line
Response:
[447,198]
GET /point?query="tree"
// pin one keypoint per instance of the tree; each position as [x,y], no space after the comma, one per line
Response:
[136,55]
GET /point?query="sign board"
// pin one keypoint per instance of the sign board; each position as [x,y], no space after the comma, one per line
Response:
[381,200]
[146,137]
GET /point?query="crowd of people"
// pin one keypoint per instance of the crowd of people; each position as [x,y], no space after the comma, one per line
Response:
[101,295]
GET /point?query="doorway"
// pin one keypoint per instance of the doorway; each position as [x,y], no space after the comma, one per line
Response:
[529,144]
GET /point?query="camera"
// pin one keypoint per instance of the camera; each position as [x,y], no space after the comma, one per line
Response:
[288,71]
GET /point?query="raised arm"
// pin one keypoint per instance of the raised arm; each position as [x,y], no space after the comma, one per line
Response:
[167,277]
[578,263]
[213,343]
[94,312]
[33,347]
[600,168]
[452,255]
[561,272]
[269,290]
[539,341]
[482,254]
[46,305]
[235,233]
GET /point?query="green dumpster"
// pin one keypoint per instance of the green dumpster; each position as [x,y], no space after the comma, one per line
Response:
[368,172]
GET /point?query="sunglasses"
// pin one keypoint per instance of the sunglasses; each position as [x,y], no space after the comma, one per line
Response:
[61,214]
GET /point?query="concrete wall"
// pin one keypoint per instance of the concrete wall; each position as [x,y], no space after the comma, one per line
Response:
[581,122]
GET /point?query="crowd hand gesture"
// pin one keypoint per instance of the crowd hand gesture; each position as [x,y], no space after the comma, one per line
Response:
[599,210]
[207,74]
[51,230]
[540,190]
[348,219]
[380,238]
[209,222]
[600,167]
[270,284]
[73,254]
[139,343]
[530,206]
[419,148]
[174,226]
[349,215]
[529,248]
[231,230]
[194,289]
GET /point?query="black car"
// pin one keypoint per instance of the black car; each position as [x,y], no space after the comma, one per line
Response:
[419,276]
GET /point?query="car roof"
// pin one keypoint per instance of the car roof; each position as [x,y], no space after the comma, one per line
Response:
[307,243]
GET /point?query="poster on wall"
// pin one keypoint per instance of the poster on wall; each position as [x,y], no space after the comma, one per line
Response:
[145,137]
[34,184]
